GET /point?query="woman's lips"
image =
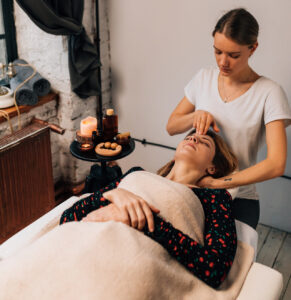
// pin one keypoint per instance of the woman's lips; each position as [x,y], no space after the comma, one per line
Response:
[225,70]
[192,145]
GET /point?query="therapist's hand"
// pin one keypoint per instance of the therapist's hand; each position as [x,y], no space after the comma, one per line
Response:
[213,183]
[209,182]
[203,120]
[134,207]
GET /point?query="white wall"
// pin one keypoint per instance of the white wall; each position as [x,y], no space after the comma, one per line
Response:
[158,45]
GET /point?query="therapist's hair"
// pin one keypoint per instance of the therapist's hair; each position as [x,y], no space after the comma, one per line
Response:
[238,25]
[224,160]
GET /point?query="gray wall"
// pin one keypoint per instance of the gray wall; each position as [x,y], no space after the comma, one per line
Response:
[158,45]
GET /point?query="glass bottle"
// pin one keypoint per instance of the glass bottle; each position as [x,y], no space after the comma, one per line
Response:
[110,125]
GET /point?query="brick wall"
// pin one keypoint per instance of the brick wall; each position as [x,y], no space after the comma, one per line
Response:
[49,55]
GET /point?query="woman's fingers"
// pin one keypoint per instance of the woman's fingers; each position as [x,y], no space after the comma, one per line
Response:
[202,124]
[135,211]
[202,121]
[195,122]
[124,217]
[215,127]
[132,215]
[149,216]
[141,217]
[154,209]
[208,122]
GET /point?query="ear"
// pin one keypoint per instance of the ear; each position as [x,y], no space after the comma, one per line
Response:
[211,170]
[253,48]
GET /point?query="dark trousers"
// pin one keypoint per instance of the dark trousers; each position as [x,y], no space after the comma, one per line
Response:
[247,211]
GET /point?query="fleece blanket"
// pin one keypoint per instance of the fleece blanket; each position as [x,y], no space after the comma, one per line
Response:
[113,261]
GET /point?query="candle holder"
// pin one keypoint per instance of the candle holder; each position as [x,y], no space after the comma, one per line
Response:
[85,142]
[86,147]
[123,138]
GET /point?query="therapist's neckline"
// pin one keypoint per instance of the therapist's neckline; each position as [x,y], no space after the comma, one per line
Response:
[237,98]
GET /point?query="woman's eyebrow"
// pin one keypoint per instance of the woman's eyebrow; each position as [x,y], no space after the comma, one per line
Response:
[238,52]
[208,139]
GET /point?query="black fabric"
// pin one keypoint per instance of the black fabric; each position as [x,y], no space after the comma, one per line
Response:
[96,179]
[64,17]
[247,211]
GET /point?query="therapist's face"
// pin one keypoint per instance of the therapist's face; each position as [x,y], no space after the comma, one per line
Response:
[231,57]
[197,150]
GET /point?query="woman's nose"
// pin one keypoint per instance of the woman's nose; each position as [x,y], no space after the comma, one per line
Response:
[195,139]
[224,61]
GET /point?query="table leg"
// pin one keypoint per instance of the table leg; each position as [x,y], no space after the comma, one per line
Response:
[100,176]
[103,168]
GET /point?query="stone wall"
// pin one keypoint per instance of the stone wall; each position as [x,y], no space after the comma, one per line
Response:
[49,55]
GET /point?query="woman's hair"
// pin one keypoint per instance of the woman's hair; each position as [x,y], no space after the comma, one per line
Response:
[224,160]
[238,25]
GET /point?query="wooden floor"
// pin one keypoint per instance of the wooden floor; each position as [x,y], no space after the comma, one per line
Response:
[274,250]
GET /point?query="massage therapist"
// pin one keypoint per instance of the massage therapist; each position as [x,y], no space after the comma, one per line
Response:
[243,106]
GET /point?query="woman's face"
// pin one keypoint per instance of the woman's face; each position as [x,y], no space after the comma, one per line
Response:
[198,150]
[231,57]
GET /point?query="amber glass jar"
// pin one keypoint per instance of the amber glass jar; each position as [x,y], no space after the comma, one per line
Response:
[110,125]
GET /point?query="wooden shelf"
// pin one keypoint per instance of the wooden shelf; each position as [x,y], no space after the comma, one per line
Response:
[26,108]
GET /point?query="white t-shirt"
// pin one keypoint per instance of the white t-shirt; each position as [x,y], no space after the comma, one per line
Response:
[241,121]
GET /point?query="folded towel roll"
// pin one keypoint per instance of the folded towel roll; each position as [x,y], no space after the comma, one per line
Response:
[24,95]
[37,83]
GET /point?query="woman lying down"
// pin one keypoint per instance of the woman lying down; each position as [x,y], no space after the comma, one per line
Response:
[209,259]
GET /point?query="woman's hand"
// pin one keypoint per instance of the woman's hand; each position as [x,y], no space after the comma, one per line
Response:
[203,120]
[107,213]
[134,207]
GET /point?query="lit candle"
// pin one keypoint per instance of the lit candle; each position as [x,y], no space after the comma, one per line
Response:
[86,147]
[87,126]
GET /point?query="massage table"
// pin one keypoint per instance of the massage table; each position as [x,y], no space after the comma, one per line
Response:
[261,282]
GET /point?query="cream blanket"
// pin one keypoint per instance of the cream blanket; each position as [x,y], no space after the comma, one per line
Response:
[113,261]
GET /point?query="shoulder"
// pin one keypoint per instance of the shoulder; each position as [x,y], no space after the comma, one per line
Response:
[273,95]
[268,85]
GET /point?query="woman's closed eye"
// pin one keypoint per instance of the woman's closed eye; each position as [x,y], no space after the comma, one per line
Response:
[235,56]
[206,143]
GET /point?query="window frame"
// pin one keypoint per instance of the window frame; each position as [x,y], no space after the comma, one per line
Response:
[9,28]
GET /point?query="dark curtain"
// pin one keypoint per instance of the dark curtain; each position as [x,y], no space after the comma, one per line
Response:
[64,17]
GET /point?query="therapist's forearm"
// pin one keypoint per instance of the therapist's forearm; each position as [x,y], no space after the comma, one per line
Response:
[179,123]
[264,170]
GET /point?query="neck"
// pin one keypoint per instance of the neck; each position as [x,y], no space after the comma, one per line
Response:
[185,174]
[245,76]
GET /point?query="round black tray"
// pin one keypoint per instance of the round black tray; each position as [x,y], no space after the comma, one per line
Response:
[91,155]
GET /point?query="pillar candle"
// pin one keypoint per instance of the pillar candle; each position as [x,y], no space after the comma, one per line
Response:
[87,126]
